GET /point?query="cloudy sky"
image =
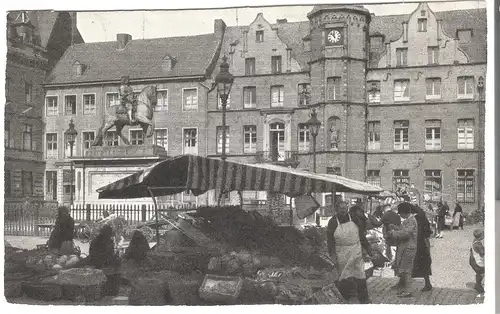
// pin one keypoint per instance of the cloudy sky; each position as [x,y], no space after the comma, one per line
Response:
[103,26]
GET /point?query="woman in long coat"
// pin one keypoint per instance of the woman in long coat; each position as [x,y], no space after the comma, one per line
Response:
[423,261]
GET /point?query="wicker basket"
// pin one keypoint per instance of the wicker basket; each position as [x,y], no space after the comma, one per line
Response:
[42,291]
[82,294]
[13,289]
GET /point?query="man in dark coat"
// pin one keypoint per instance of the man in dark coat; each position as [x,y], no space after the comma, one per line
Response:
[423,261]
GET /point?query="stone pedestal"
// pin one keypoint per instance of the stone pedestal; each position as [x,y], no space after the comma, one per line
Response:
[104,165]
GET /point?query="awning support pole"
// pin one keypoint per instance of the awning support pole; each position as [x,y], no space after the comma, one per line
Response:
[334,196]
[157,227]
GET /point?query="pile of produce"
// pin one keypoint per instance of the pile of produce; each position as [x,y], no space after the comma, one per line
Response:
[243,263]
[252,232]
[52,261]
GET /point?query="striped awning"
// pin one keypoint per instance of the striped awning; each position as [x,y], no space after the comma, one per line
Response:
[200,174]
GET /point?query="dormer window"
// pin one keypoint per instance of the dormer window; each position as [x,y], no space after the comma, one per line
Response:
[78,68]
[422,25]
[376,42]
[464,36]
[168,63]
[259,36]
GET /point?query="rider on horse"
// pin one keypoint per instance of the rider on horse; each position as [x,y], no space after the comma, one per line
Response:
[127,97]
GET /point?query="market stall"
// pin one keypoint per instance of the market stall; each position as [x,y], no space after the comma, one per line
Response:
[297,271]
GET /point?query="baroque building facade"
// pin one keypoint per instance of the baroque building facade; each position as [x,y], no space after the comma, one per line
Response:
[400,98]
[35,42]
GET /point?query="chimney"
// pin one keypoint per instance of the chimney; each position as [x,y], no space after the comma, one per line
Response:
[219,28]
[74,29]
[123,40]
[281,21]
[439,24]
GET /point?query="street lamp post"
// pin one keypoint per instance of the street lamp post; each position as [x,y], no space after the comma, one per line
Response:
[224,82]
[314,124]
[71,134]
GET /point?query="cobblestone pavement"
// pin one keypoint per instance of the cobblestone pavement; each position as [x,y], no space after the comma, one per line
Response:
[381,293]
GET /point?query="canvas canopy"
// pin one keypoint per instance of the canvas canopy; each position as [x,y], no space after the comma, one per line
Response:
[200,174]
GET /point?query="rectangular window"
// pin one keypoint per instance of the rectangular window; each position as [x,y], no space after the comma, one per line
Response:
[433,184]
[89,106]
[28,137]
[376,42]
[401,57]
[27,183]
[465,133]
[433,88]
[422,25]
[220,139]
[373,177]
[464,36]
[433,134]
[401,90]
[249,97]
[7,180]
[190,141]
[228,102]
[88,138]
[259,36]
[465,87]
[333,88]
[161,138]
[373,91]
[334,170]
[112,99]
[400,177]
[28,92]
[112,138]
[250,139]
[51,146]
[6,134]
[277,95]
[51,106]
[373,135]
[401,135]
[465,186]
[70,104]
[162,104]
[51,185]
[433,55]
[250,66]
[276,64]
[190,99]
[304,138]
[136,137]
[304,94]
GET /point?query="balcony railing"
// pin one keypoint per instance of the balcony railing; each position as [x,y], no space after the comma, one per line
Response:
[279,157]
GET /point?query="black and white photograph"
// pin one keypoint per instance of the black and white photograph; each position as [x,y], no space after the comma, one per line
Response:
[281,154]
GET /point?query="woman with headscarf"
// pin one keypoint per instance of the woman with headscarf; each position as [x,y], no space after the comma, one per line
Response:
[346,239]
[406,240]
[102,250]
[458,218]
[64,229]
[423,261]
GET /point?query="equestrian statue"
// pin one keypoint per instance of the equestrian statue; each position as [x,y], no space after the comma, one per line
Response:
[130,111]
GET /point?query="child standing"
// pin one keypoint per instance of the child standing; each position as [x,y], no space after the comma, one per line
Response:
[476,259]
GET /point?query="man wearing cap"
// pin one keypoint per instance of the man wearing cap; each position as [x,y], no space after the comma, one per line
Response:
[476,259]
[406,238]
[127,97]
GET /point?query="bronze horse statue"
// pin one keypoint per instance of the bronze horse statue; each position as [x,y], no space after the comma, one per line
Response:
[117,116]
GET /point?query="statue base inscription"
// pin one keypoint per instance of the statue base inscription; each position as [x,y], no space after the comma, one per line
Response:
[125,151]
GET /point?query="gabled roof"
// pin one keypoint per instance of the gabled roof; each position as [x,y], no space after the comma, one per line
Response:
[391,26]
[139,59]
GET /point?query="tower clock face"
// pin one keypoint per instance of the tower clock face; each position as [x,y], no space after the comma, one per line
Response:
[334,36]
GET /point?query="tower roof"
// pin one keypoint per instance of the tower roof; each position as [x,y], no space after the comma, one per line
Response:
[327,7]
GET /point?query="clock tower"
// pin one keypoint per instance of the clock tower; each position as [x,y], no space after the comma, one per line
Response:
[339,52]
